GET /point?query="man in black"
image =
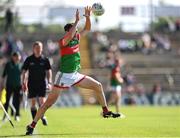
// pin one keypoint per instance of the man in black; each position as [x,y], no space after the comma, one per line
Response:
[39,76]
[12,74]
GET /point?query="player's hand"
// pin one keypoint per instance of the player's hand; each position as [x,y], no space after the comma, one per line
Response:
[77,15]
[49,86]
[87,11]
[121,80]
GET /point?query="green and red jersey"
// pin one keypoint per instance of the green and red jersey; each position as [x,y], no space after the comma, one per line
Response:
[115,69]
[70,55]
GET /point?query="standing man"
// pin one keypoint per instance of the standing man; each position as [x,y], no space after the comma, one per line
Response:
[39,75]
[12,74]
[68,74]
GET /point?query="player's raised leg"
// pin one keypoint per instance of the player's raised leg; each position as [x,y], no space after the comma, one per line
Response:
[90,83]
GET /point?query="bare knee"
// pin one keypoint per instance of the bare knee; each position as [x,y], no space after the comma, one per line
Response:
[42,100]
[98,87]
[33,103]
[50,101]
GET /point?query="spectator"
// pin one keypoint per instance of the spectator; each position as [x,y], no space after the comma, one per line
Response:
[8,20]
[146,38]
[52,47]
[19,45]
[141,98]
[12,72]
[157,93]
[130,79]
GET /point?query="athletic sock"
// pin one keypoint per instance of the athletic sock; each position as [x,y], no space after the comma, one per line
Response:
[33,112]
[33,124]
[105,109]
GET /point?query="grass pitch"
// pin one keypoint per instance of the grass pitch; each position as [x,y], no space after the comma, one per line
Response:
[86,122]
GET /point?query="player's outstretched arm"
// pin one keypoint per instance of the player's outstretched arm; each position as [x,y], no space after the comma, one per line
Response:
[87,26]
[70,34]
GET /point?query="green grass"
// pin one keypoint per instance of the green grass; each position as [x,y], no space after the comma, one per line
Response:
[140,122]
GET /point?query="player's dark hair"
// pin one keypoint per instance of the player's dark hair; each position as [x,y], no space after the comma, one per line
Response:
[68,26]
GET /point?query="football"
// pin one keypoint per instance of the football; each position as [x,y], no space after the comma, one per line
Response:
[97,9]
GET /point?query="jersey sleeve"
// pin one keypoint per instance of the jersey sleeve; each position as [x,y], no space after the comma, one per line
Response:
[117,69]
[26,64]
[62,40]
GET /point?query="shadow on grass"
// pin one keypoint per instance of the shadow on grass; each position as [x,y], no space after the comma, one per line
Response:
[49,135]
[52,135]
[11,136]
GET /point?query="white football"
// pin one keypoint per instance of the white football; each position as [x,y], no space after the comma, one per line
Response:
[97,9]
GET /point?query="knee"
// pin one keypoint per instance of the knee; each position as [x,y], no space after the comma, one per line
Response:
[33,103]
[98,86]
[41,102]
[33,106]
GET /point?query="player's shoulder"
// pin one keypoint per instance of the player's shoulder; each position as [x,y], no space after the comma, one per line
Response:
[64,35]
[61,39]
[78,35]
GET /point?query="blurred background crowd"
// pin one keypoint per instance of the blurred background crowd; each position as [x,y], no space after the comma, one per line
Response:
[149,50]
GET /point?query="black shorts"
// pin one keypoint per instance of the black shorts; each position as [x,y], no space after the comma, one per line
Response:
[36,91]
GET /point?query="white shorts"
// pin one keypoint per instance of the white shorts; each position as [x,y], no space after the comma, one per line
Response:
[116,88]
[66,80]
